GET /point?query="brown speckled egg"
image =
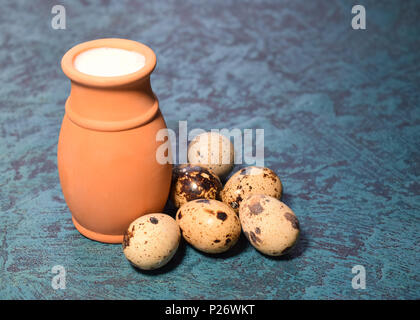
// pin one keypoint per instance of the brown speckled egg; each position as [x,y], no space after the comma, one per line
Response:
[209,225]
[270,225]
[250,180]
[212,151]
[190,182]
[151,241]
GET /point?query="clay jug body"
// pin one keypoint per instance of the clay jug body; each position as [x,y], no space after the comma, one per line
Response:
[106,154]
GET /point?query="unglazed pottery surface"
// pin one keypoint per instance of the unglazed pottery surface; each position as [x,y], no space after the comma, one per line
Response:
[107,146]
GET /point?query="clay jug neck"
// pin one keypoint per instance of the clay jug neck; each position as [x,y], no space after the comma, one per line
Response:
[111,103]
[112,108]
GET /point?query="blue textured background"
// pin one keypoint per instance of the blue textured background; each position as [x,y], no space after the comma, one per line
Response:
[341,114]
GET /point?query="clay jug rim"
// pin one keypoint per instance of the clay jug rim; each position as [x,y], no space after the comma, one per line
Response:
[67,63]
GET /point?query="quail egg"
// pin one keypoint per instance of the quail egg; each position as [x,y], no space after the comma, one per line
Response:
[151,241]
[269,225]
[190,182]
[212,151]
[250,180]
[209,225]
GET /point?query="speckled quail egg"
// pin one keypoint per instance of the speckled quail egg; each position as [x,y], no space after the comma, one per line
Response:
[190,182]
[151,241]
[212,151]
[209,225]
[269,224]
[250,180]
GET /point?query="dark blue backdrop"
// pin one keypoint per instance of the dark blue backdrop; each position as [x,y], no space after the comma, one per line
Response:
[341,114]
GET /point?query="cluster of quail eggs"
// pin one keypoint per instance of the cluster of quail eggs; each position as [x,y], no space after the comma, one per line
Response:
[211,216]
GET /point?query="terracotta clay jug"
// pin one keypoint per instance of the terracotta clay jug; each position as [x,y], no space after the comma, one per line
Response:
[107,147]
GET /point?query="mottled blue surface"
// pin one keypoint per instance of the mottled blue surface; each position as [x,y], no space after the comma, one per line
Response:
[341,113]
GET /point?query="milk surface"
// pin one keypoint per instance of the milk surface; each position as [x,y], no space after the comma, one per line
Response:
[109,62]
